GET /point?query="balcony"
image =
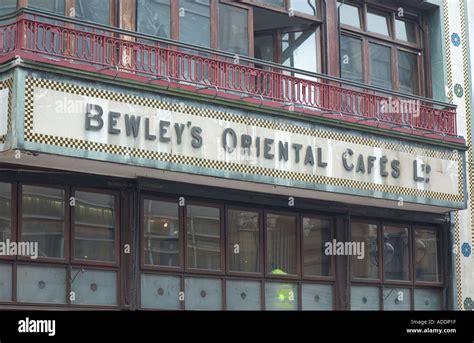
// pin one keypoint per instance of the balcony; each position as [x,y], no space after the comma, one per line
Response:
[69,43]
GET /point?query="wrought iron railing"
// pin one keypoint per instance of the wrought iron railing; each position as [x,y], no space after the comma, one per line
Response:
[32,34]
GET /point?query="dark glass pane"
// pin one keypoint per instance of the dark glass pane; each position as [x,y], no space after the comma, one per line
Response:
[43,219]
[203,237]
[264,48]
[7,6]
[161,233]
[153,17]
[427,255]
[94,227]
[396,253]
[233,29]
[368,266]
[405,30]
[349,15]
[281,296]
[351,59]
[305,6]
[55,6]
[278,3]
[380,66]
[408,72]
[243,241]
[299,50]
[281,244]
[316,232]
[377,23]
[97,11]
[195,22]
[5,211]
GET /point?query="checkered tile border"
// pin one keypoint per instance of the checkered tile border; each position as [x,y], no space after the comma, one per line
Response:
[7,84]
[32,83]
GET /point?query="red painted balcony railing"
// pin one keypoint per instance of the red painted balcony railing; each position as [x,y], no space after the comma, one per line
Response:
[73,43]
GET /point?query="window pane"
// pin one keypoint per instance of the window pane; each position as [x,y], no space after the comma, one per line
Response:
[278,3]
[317,297]
[281,244]
[396,253]
[56,6]
[94,287]
[161,233]
[428,300]
[153,17]
[367,267]
[396,299]
[305,6]
[377,23]
[243,295]
[7,6]
[43,219]
[427,255]
[5,282]
[405,30]
[299,50]
[233,29]
[5,211]
[316,232]
[195,25]
[380,66]
[349,15]
[408,72]
[351,59]
[243,233]
[97,11]
[203,294]
[203,237]
[94,227]
[264,48]
[281,296]
[365,298]
[41,284]
[160,292]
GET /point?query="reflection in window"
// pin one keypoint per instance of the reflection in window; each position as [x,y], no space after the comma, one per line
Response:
[195,24]
[281,244]
[316,232]
[305,6]
[351,59]
[161,233]
[153,17]
[55,6]
[43,219]
[405,30]
[278,3]
[203,237]
[96,11]
[5,211]
[380,66]
[299,50]
[349,15]
[233,29]
[7,6]
[408,72]
[367,267]
[243,241]
[94,227]
[377,23]
[396,253]
[427,255]
[281,296]
[264,48]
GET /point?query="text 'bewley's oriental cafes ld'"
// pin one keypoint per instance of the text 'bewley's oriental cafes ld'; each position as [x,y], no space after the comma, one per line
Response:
[180,190]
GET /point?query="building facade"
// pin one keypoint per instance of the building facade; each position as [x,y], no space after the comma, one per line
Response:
[235,155]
